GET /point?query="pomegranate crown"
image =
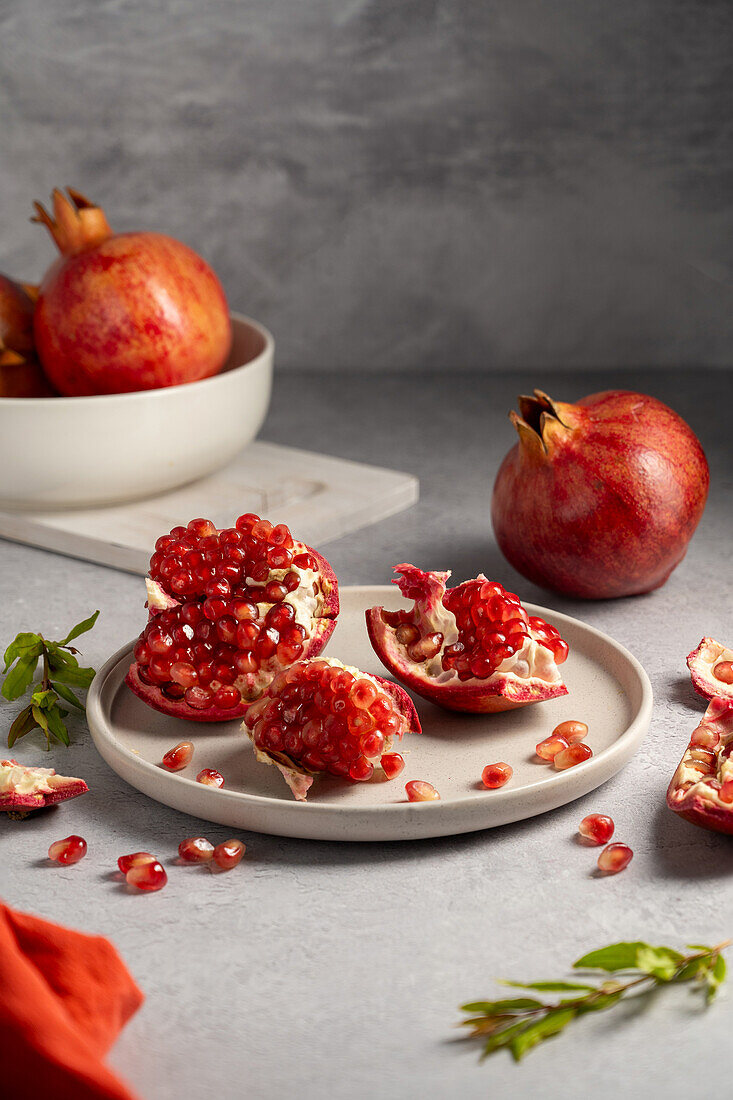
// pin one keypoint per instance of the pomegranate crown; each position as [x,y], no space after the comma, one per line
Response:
[76,225]
[538,420]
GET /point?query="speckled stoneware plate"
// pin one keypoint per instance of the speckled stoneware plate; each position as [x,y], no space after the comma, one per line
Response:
[608,689]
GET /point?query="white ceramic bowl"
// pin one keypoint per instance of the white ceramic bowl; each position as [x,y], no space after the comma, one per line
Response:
[77,452]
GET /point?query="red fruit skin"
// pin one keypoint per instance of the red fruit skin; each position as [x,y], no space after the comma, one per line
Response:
[317,642]
[563,511]
[137,311]
[65,787]
[701,662]
[16,317]
[693,806]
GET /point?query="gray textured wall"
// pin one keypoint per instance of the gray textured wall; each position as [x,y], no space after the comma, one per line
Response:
[402,183]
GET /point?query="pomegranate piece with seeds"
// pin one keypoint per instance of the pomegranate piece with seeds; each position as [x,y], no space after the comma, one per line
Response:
[126,862]
[322,716]
[614,858]
[179,757]
[228,854]
[24,789]
[196,849]
[469,648]
[597,828]
[701,790]
[147,875]
[418,790]
[69,850]
[571,756]
[392,764]
[210,777]
[496,775]
[711,669]
[227,610]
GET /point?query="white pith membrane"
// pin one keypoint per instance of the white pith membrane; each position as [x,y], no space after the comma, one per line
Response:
[308,601]
[296,775]
[689,782]
[17,779]
[701,663]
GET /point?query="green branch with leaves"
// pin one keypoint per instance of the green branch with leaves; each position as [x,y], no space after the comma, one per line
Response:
[61,678]
[520,1023]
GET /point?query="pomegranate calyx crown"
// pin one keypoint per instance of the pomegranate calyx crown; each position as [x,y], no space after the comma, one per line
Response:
[539,421]
[76,225]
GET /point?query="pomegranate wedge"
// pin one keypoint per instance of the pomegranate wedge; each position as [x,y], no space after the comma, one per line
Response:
[323,716]
[23,788]
[702,787]
[228,610]
[711,669]
[469,648]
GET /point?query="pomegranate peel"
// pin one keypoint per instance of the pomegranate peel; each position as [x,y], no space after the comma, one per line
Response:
[707,663]
[321,716]
[701,789]
[23,788]
[469,648]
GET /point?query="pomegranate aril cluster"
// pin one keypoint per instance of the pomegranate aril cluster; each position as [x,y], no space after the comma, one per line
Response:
[233,616]
[492,626]
[327,718]
[564,747]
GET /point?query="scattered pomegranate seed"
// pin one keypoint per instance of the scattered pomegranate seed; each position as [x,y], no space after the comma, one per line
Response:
[496,775]
[69,850]
[572,755]
[196,849]
[126,862]
[725,794]
[228,854]
[420,791]
[550,747]
[179,756]
[572,731]
[392,764]
[361,770]
[210,778]
[614,858]
[723,671]
[148,876]
[597,828]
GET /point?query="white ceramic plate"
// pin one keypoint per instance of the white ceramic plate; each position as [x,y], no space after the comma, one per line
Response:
[608,689]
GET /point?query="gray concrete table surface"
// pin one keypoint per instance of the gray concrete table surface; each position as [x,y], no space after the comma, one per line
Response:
[336,970]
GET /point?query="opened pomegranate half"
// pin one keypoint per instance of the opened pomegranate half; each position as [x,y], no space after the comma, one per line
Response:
[323,716]
[701,790]
[23,788]
[227,611]
[472,648]
[711,669]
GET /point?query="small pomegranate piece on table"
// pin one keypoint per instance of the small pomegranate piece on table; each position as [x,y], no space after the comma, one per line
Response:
[701,790]
[228,854]
[69,850]
[147,875]
[179,757]
[496,775]
[572,731]
[23,788]
[418,790]
[550,747]
[196,849]
[322,716]
[210,777]
[597,828]
[614,858]
[227,610]
[126,862]
[571,756]
[392,764]
[469,648]
[711,669]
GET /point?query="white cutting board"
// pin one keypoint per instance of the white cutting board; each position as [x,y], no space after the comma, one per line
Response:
[319,497]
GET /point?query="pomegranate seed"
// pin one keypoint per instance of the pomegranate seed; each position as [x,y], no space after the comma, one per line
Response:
[406,634]
[392,764]
[199,698]
[597,828]
[614,858]
[228,854]
[725,793]
[572,755]
[69,850]
[227,697]
[704,738]
[572,731]
[179,756]
[420,791]
[210,778]
[196,849]
[723,671]
[126,862]
[550,747]
[148,876]
[496,775]
[361,770]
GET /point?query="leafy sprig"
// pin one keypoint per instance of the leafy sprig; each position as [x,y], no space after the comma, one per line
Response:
[520,1023]
[61,678]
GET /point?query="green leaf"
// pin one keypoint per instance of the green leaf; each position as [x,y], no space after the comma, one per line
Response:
[42,721]
[20,645]
[20,677]
[617,956]
[661,962]
[67,694]
[43,698]
[598,1004]
[80,628]
[22,725]
[56,724]
[549,1025]
[502,1038]
[516,1004]
[552,987]
[76,677]
[715,979]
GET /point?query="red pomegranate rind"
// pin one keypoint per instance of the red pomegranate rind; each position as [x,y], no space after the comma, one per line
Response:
[227,610]
[23,788]
[478,670]
[320,716]
[705,773]
[703,662]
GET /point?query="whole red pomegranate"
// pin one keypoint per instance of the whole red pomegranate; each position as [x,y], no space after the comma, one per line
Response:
[128,311]
[601,498]
[16,317]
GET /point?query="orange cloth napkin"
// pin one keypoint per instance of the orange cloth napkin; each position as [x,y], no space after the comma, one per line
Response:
[64,997]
